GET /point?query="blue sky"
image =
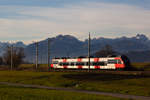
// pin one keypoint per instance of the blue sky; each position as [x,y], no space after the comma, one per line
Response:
[30,20]
[57,3]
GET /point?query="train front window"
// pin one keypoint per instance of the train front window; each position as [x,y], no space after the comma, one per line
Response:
[119,61]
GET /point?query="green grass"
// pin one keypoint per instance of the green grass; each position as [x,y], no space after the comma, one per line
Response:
[19,93]
[124,82]
[26,67]
[31,67]
[142,66]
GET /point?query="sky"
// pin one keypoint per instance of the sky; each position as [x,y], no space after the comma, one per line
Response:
[34,20]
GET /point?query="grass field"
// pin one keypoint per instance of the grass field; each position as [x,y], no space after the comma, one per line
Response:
[19,93]
[26,67]
[141,66]
[129,83]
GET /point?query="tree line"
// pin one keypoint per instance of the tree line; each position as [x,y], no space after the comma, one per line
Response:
[16,55]
[12,56]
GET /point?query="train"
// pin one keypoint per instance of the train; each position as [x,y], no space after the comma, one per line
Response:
[105,63]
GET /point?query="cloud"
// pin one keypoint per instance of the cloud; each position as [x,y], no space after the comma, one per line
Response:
[103,19]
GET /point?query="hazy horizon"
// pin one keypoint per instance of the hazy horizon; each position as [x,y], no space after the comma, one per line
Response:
[92,37]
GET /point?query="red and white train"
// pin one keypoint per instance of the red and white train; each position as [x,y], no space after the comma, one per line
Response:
[83,63]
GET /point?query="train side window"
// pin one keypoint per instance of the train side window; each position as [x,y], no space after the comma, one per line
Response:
[99,64]
[96,64]
[55,62]
[87,63]
[112,61]
[80,64]
[72,64]
[63,64]
[60,64]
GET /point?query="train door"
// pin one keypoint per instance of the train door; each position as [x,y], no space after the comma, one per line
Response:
[111,64]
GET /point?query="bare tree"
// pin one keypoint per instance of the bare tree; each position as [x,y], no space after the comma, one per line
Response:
[105,51]
[17,56]
[1,61]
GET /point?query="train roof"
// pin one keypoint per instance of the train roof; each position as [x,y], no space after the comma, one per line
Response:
[110,56]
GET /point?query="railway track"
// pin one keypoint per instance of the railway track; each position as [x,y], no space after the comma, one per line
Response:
[144,73]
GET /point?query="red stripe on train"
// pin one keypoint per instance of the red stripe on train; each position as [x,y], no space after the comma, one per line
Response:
[80,67]
[65,67]
[52,66]
[96,59]
[97,67]
[119,65]
[79,60]
[64,60]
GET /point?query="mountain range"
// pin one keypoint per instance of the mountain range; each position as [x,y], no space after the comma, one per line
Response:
[137,48]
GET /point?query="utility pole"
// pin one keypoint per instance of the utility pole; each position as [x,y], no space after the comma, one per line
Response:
[89,49]
[11,67]
[48,53]
[37,54]
[41,62]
